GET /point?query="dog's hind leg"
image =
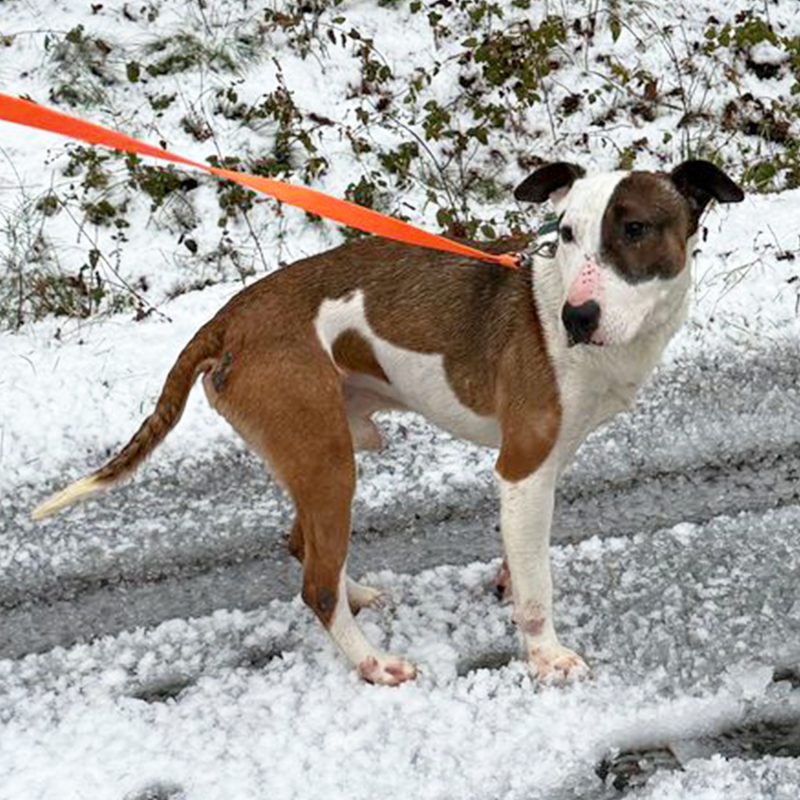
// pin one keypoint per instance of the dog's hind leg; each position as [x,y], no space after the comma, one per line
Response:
[359,595]
[289,407]
[361,403]
[502,582]
[323,498]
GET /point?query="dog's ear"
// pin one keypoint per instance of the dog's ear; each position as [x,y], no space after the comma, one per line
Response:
[552,181]
[701,181]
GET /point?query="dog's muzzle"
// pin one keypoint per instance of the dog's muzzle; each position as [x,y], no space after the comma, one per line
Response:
[581,321]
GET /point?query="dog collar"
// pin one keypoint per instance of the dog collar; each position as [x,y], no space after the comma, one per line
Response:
[550,225]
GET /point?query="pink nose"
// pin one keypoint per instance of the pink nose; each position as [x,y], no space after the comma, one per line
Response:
[586,286]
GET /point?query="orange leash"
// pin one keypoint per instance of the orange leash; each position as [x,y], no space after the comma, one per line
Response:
[25,112]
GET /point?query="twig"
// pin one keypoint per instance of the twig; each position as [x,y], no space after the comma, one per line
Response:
[143,300]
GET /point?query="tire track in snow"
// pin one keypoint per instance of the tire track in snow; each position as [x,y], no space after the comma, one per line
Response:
[712,436]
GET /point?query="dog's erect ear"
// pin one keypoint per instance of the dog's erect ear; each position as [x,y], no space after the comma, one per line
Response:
[548,180]
[701,181]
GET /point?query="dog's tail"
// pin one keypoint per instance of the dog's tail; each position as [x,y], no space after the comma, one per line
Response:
[196,357]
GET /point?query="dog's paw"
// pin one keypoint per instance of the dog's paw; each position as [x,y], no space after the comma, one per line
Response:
[386,670]
[360,596]
[556,665]
[502,582]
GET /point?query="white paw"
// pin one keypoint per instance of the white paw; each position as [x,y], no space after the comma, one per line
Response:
[554,664]
[360,596]
[366,435]
[386,670]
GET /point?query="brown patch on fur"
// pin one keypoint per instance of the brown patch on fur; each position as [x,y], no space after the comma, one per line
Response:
[529,408]
[326,601]
[647,198]
[475,309]
[529,435]
[533,627]
[352,352]
[285,399]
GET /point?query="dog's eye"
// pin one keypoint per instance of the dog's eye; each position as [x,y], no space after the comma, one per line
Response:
[635,230]
[566,234]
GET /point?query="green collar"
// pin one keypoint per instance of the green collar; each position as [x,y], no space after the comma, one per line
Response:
[547,227]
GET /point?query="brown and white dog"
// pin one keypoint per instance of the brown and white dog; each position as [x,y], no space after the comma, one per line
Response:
[528,361]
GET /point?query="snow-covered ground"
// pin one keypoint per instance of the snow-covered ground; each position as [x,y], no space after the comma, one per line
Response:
[683,629]
[684,626]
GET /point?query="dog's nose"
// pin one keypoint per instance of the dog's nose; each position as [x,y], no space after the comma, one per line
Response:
[581,321]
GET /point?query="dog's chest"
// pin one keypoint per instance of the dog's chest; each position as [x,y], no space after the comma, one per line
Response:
[597,384]
[417,381]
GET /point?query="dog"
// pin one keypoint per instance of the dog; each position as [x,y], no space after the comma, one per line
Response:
[529,361]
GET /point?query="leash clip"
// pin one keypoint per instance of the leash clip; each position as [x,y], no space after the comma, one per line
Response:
[548,247]
[544,249]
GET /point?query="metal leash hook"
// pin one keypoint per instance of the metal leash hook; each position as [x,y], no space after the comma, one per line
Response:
[546,249]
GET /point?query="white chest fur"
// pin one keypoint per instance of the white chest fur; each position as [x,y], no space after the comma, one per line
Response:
[418,380]
[596,383]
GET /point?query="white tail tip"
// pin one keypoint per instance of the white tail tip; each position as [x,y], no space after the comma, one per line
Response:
[75,491]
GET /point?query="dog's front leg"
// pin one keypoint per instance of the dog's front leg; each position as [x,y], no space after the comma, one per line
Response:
[526,512]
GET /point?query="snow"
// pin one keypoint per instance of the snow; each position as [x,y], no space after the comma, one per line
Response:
[243,705]
[716,778]
[683,626]
[767,53]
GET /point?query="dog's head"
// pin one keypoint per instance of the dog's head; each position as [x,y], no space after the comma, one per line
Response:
[624,243]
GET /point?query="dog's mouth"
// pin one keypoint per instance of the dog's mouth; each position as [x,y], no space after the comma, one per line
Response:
[595,341]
